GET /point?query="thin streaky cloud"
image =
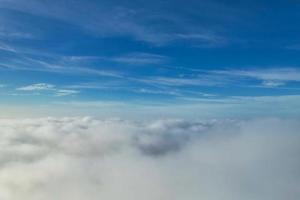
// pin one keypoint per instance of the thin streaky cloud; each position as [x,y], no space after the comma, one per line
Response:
[31,64]
[141,59]
[293,47]
[273,83]
[125,21]
[273,74]
[199,80]
[57,91]
[5,47]
[65,92]
[37,86]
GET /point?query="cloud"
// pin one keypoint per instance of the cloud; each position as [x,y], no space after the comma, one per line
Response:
[149,23]
[293,47]
[85,158]
[5,47]
[141,59]
[55,64]
[277,74]
[204,80]
[61,93]
[272,83]
[9,33]
[203,39]
[270,77]
[37,87]
[48,87]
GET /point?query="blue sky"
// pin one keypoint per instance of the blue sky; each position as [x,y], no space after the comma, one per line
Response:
[209,58]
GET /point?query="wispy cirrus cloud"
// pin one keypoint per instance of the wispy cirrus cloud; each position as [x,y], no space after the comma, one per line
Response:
[271,77]
[37,87]
[271,83]
[203,79]
[169,81]
[134,59]
[293,47]
[48,87]
[14,34]
[64,92]
[277,74]
[55,64]
[129,20]
[140,59]
[5,47]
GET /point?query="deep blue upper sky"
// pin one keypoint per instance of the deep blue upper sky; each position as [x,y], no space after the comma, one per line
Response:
[204,52]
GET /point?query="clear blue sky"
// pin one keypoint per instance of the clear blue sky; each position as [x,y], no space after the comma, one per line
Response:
[204,58]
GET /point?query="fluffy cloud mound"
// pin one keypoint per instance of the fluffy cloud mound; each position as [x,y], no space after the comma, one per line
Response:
[88,159]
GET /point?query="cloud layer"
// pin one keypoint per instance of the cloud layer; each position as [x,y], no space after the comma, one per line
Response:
[84,158]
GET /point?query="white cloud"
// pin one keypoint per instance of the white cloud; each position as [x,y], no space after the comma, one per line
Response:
[274,74]
[272,83]
[66,92]
[83,158]
[279,74]
[37,86]
[269,77]
[48,87]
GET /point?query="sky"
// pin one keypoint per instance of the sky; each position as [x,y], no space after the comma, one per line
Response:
[149,100]
[117,58]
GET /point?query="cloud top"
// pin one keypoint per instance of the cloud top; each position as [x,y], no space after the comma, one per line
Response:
[84,158]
